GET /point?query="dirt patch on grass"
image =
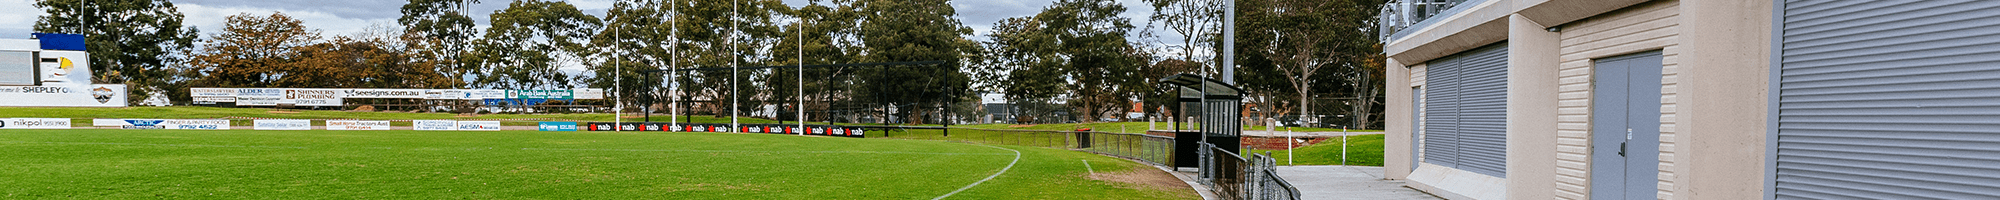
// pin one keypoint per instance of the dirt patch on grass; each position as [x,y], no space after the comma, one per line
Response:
[1144,179]
[281,112]
[1021,126]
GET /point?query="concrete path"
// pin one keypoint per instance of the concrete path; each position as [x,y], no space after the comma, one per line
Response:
[1260,133]
[1346,182]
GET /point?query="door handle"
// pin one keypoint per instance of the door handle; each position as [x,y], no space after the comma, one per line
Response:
[1621,149]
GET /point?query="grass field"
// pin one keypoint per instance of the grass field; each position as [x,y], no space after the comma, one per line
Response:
[82,116]
[127,164]
[1130,127]
[1365,150]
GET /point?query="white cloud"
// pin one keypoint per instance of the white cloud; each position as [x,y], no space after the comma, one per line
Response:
[211,19]
[17,18]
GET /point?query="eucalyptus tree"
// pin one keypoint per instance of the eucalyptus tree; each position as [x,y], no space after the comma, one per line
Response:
[137,42]
[530,41]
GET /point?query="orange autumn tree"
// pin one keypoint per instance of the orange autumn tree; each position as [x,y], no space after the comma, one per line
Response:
[279,51]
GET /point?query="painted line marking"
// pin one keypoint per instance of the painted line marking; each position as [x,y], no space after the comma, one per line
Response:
[1010,165]
[742,151]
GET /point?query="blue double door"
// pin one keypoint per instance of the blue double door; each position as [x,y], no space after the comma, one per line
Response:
[1625,127]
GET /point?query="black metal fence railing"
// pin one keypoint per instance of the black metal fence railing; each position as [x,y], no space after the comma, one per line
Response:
[1152,149]
[1234,177]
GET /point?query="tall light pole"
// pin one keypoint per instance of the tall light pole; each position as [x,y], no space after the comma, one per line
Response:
[1229,42]
[734,94]
[675,54]
[618,83]
[801,107]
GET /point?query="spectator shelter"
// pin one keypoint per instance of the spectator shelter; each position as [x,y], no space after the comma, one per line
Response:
[1217,106]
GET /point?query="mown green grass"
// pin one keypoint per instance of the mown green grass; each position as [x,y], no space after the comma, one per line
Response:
[1132,127]
[1364,150]
[126,164]
[81,117]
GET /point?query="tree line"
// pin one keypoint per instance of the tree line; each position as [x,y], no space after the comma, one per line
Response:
[1075,56]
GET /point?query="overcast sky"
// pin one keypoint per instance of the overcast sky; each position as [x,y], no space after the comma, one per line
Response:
[343,17]
[347,17]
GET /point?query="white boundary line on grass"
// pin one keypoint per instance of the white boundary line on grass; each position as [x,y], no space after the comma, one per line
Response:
[1010,165]
[1017,155]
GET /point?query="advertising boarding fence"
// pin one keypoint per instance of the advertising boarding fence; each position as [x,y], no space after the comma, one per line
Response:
[556,126]
[189,124]
[34,123]
[479,125]
[433,125]
[355,125]
[281,124]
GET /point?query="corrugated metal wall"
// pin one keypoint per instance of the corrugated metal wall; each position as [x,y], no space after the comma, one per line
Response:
[1889,100]
[1466,115]
[1642,27]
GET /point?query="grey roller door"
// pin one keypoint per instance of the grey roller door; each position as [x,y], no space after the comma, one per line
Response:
[1466,124]
[1441,113]
[1888,100]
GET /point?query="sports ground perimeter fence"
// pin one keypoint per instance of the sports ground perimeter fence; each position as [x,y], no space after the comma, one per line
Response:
[1227,174]
[1235,177]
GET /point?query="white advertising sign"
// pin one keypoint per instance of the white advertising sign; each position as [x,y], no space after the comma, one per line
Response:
[589,93]
[311,97]
[350,125]
[455,94]
[382,93]
[163,125]
[61,95]
[34,123]
[259,96]
[282,124]
[479,125]
[213,94]
[433,125]
[486,94]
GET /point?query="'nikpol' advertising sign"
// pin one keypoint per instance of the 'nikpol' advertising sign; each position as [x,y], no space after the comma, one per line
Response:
[34,123]
[479,125]
[556,126]
[282,124]
[433,125]
[350,125]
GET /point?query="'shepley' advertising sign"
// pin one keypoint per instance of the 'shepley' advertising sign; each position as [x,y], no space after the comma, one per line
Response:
[282,124]
[348,125]
[34,123]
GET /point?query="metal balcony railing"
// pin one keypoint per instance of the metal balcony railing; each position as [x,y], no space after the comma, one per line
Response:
[1398,15]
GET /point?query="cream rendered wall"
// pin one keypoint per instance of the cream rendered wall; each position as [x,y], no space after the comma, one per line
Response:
[1396,148]
[1639,28]
[1728,48]
[1531,108]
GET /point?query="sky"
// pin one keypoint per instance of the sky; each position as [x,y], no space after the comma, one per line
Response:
[348,17]
[345,17]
